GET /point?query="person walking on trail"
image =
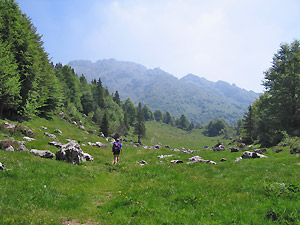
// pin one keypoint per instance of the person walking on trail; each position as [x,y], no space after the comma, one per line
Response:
[116,149]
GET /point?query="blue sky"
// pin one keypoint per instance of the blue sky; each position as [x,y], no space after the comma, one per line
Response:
[229,40]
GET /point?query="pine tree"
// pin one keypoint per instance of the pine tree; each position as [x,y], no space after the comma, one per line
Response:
[140,128]
[104,125]
[116,98]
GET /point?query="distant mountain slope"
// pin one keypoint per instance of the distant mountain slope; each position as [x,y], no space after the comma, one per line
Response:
[199,99]
[222,89]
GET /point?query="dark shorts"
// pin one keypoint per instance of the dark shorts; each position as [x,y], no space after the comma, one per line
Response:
[116,152]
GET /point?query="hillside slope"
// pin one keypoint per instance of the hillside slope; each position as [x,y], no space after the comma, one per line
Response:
[200,102]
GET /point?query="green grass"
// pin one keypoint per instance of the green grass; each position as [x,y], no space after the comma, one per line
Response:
[43,191]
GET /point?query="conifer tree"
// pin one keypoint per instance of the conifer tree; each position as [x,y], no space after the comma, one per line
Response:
[104,125]
[116,98]
[140,128]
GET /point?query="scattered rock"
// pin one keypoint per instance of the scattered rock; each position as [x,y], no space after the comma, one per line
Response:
[44,128]
[238,159]
[196,159]
[42,153]
[2,167]
[295,150]
[175,150]
[88,157]
[187,151]
[241,145]
[142,163]
[157,146]
[10,149]
[28,132]
[176,161]
[164,156]
[101,145]
[260,150]
[223,160]
[51,135]
[91,144]
[56,144]
[233,149]
[219,148]
[22,147]
[28,139]
[9,125]
[82,127]
[58,131]
[72,153]
[252,155]
[167,146]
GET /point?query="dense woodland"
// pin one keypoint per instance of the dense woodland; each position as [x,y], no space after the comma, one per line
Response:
[32,86]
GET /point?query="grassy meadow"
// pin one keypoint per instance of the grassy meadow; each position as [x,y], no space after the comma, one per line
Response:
[44,191]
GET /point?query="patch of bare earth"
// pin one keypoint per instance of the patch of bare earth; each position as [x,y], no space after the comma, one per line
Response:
[65,221]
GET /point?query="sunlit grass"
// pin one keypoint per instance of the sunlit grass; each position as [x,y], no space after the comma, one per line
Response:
[44,191]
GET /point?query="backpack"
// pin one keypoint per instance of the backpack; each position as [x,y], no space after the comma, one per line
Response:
[116,147]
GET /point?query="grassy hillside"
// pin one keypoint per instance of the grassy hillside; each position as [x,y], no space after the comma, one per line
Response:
[44,191]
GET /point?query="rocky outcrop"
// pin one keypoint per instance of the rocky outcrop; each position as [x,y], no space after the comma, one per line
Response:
[72,153]
[42,153]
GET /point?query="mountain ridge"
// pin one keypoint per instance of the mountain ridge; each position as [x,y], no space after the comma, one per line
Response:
[199,99]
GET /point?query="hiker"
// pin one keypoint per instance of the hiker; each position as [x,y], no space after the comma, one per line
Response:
[116,149]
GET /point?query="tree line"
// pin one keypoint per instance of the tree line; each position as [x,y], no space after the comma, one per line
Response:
[32,86]
[276,114]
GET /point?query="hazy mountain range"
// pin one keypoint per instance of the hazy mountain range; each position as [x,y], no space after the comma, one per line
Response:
[199,99]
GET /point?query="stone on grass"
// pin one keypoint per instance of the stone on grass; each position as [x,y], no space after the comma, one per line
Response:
[28,139]
[42,153]
[56,144]
[2,167]
[176,161]
[10,149]
[252,155]
[72,153]
[51,135]
[164,156]
[142,163]
[196,159]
